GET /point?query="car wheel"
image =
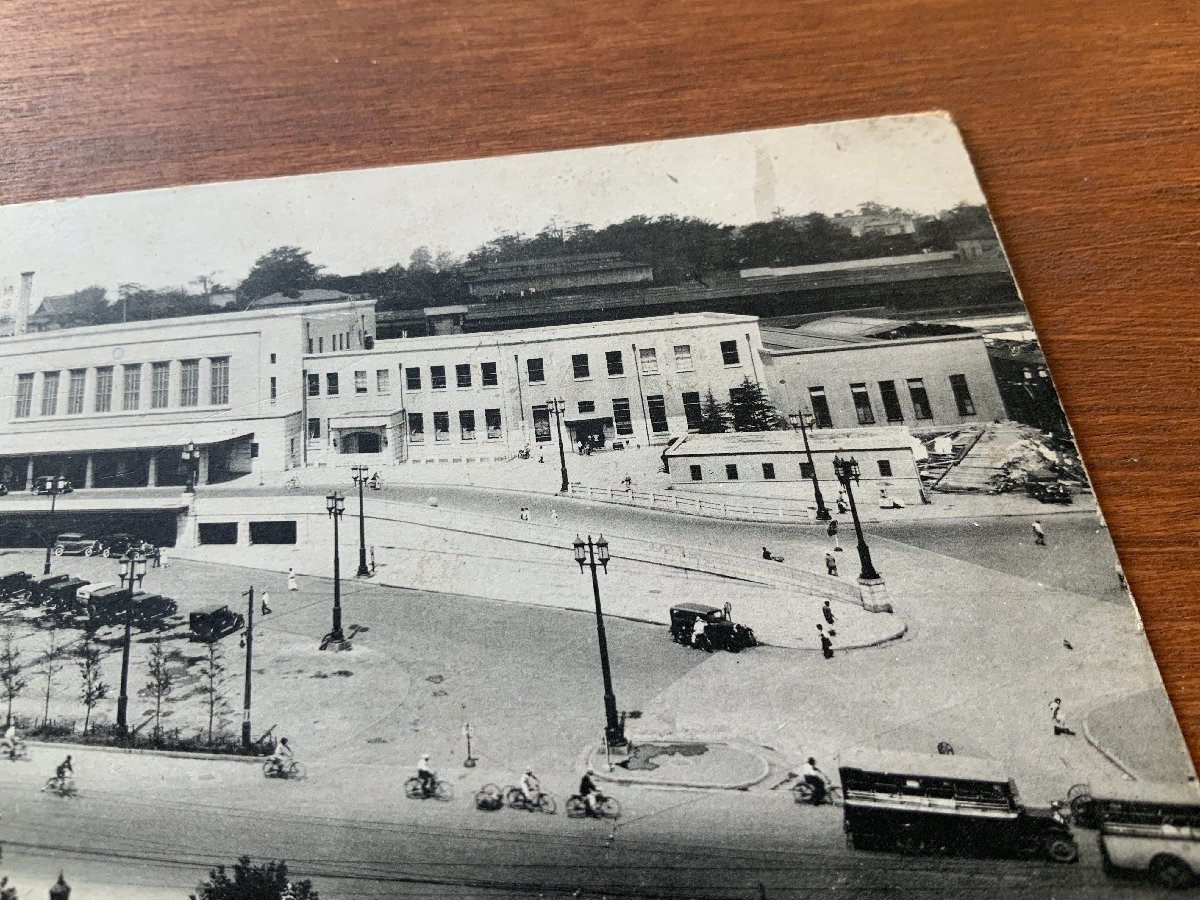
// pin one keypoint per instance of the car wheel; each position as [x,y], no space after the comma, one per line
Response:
[106,552]
[1062,849]
[1171,872]
[58,551]
[88,551]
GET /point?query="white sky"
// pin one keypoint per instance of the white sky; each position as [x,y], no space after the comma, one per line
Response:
[353,221]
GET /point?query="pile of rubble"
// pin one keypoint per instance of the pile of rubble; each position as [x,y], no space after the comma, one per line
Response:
[998,457]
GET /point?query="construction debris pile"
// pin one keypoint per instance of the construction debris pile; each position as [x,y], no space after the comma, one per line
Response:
[998,457]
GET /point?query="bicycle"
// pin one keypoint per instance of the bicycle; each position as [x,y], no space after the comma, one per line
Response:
[290,769]
[414,789]
[63,787]
[606,807]
[17,752]
[803,792]
[541,802]
[292,484]
[489,797]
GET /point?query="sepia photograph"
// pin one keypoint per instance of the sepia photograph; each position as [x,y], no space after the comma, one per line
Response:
[685,519]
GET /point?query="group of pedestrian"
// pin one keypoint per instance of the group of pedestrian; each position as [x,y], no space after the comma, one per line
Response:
[826,631]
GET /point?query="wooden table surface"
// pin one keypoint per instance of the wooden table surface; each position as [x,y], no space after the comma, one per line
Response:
[1083,118]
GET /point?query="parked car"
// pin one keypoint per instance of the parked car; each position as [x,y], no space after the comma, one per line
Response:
[14,585]
[1048,491]
[211,623]
[74,542]
[44,484]
[720,632]
[3,488]
[116,544]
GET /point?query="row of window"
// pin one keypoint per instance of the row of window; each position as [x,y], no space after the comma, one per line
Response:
[768,471]
[131,388]
[493,428]
[339,341]
[614,362]
[892,410]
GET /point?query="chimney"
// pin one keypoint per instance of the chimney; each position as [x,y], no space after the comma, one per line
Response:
[22,317]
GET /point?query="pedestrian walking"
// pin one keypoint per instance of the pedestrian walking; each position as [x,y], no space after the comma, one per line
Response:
[554,517]
[372,559]
[698,631]
[266,603]
[826,644]
[826,611]
[833,533]
[292,586]
[843,503]
[160,557]
[830,564]
[525,514]
[1057,719]
[1039,536]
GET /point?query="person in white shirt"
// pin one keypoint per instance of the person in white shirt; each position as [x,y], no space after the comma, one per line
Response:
[427,775]
[816,780]
[530,788]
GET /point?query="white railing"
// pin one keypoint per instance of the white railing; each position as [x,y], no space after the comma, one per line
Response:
[785,511]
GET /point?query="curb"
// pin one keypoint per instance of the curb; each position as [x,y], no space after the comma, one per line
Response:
[146,751]
[1107,754]
[696,785]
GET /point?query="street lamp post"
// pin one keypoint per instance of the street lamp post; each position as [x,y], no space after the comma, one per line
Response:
[559,406]
[58,485]
[874,591]
[191,458]
[360,478]
[805,421]
[132,566]
[335,505]
[249,642]
[589,554]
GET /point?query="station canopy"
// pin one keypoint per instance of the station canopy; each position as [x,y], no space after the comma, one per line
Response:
[140,436]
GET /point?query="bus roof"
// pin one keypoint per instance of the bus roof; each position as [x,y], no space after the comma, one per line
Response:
[897,762]
[1178,793]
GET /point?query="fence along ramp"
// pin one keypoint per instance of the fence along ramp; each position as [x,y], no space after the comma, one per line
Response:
[786,511]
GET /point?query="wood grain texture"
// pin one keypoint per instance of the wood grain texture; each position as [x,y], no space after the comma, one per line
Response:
[1083,119]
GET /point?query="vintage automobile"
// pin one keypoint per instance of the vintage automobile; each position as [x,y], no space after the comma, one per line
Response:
[720,632]
[63,598]
[45,484]
[116,544]
[211,623]
[14,585]
[74,542]
[107,607]
[1145,827]
[1048,491]
[41,585]
[919,803]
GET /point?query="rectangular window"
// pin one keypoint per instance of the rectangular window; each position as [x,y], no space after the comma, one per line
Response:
[487,374]
[314,384]
[768,471]
[272,359]
[541,424]
[648,361]
[962,395]
[310,346]
[683,357]
[462,375]
[412,379]
[885,468]
[587,406]
[189,382]
[132,393]
[697,473]
[536,371]
[75,390]
[806,470]
[441,426]
[862,404]
[360,381]
[920,398]
[416,428]
[331,384]
[274,388]
[50,394]
[220,381]
[731,473]
[24,396]
[321,344]
[254,450]
[104,388]
[820,406]
[657,405]
[160,385]
[466,424]
[383,381]
[579,366]
[314,429]
[615,362]
[691,410]
[491,418]
[621,416]
[437,377]
[891,401]
[729,353]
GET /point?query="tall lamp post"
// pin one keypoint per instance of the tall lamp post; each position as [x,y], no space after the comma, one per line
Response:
[191,458]
[58,485]
[132,566]
[360,478]
[590,554]
[804,421]
[873,589]
[335,505]
[559,406]
[248,641]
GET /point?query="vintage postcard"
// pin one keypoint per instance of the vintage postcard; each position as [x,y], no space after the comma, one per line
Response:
[685,519]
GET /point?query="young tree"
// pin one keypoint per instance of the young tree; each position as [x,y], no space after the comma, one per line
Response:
[10,671]
[751,409]
[250,882]
[212,674]
[159,684]
[49,666]
[94,689]
[712,416]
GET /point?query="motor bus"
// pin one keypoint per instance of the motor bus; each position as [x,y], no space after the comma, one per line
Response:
[919,803]
[1149,827]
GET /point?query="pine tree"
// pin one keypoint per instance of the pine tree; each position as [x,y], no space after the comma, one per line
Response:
[160,683]
[49,666]
[713,419]
[94,689]
[751,409]
[212,673]
[10,671]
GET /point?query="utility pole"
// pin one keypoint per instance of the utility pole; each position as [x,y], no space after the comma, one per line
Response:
[58,485]
[249,667]
[558,405]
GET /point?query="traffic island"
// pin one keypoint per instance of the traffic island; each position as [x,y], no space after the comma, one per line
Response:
[682,763]
[1139,735]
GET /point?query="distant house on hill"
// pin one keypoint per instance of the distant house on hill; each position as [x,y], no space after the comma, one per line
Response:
[549,275]
[876,222]
[67,310]
[302,298]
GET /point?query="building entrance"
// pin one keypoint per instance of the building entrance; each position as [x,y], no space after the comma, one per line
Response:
[591,433]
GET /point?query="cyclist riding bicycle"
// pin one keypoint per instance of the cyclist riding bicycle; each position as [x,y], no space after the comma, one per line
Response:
[64,772]
[281,756]
[12,737]
[530,788]
[590,793]
[427,775]
[816,780]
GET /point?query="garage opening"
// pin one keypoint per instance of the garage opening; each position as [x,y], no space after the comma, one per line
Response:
[218,532]
[273,532]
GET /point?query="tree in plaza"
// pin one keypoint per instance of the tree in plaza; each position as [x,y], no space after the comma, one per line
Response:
[49,666]
[212,676]
[285,270]
[7,891]
[10,671]
[248,881]
[751,409]
[713,419]
[94,689]
[159,684]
